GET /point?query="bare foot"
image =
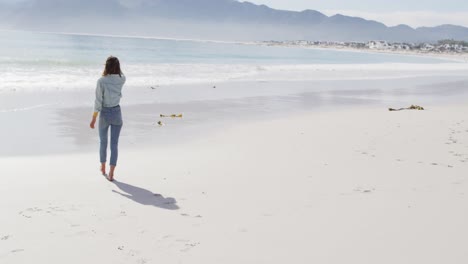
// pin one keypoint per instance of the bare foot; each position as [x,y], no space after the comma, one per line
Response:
[111,173]
[103,168]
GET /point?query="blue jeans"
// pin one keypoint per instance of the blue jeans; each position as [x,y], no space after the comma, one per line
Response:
[110,117]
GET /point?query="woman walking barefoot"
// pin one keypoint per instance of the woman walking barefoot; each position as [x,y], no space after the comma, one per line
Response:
[108,94]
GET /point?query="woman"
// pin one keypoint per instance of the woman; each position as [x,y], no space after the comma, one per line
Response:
[108,94]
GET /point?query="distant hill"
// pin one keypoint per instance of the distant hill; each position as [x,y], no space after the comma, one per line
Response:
[208,19]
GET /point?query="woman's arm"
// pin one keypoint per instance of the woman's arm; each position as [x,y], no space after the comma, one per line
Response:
[97,103]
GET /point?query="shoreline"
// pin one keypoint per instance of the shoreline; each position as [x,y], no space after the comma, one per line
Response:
[237,73]
[461,58]
[62,117]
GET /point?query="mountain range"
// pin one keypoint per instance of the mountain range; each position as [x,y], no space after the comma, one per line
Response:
[208,19]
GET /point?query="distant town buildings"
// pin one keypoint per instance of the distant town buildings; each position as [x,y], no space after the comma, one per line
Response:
[444,46]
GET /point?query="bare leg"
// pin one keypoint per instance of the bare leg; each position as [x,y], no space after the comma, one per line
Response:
[103,168]
[111,173]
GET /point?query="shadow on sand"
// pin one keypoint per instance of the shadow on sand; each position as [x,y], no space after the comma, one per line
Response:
[145,197]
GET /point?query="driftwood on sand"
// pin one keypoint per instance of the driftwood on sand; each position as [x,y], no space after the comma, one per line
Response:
[173,115]
[412,107]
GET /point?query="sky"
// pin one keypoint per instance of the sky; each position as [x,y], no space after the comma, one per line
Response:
[415,13]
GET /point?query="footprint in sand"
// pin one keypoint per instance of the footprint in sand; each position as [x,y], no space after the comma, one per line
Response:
[142,261]
[364,190]
[23,215]
[187,215]
[131,253]
[29,212]
[189,246]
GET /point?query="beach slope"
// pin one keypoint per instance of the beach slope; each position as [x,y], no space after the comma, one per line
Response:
[348,186]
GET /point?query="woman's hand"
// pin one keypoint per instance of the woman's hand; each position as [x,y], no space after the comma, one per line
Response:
[93,122]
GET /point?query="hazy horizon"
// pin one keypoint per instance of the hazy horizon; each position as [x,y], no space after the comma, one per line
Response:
[417,13]
[211,19]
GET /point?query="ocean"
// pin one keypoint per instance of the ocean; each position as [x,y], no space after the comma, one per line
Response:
[47,84]
[50,61]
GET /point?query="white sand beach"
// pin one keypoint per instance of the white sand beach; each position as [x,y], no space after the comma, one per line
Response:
[304,172]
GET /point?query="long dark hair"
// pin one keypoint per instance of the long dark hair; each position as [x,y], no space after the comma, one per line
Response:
[112,67]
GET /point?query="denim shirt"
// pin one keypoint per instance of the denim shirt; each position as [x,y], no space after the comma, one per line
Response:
[108,91]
